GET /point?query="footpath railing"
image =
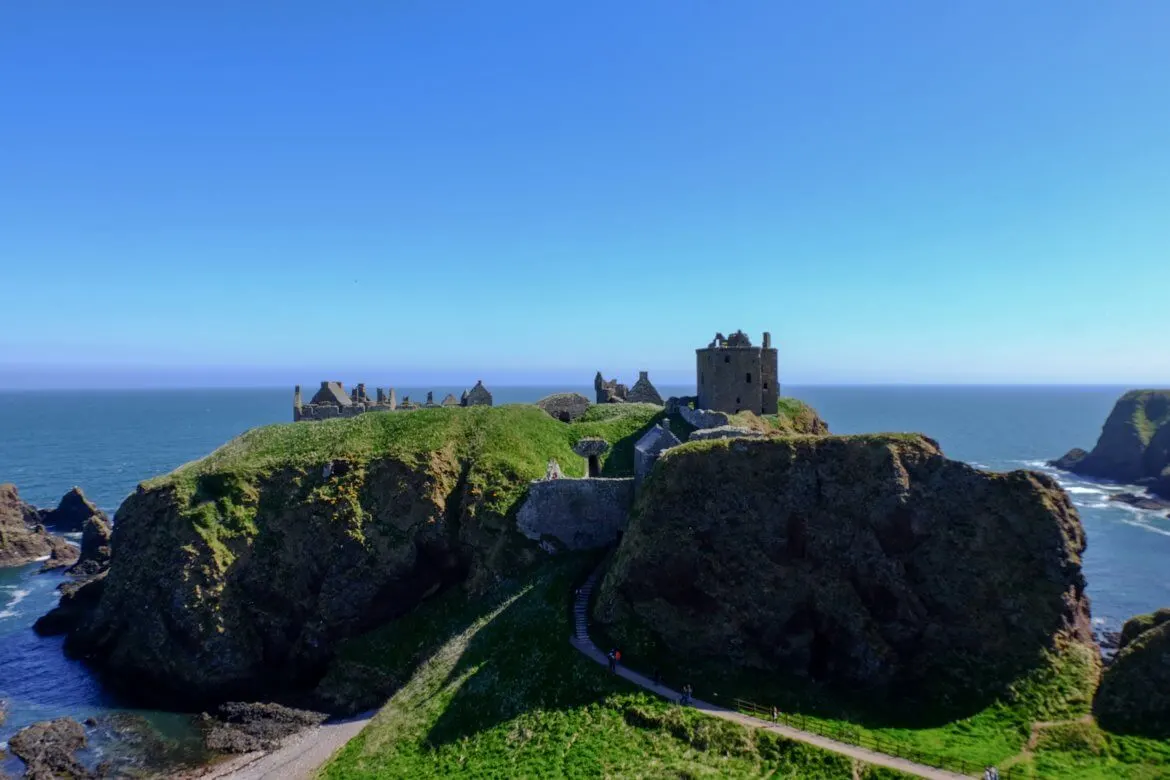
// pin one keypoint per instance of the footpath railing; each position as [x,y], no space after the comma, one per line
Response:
[853,735]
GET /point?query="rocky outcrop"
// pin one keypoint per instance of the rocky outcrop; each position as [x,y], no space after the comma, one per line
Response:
[48,750]
[246,727]
[1151,503]
[22,536]
[72,513]
[565,407]
[232,585]
[95,547]
[1135,689]
[868,561]
[1134,446]
[78,600]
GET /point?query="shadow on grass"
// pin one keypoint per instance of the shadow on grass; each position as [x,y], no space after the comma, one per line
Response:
[521,660]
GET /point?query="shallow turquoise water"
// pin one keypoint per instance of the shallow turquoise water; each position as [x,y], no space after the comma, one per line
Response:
[107,442]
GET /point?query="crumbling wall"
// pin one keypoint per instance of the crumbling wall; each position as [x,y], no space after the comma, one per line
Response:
[582,514]
[703,418]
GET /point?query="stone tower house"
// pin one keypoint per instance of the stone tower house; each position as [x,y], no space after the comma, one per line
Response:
[733,376]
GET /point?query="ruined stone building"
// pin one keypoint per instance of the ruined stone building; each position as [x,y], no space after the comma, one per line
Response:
[734,376]
[613,392]
[331,401]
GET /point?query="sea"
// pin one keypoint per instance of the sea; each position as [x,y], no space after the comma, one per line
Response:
[106,442]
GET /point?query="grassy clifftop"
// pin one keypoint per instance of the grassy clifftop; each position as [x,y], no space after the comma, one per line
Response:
[490,687]
[237,574]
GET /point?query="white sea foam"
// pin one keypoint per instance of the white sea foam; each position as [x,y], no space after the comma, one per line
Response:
[42,558]
[1147,527]
[10,608]
[1091,491]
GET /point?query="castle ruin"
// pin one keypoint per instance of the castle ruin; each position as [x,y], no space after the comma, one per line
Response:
[610,391]
[734,376]
[331,401]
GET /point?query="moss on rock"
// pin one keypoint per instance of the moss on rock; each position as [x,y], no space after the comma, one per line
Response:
[1134,445]
[1135,689]
[867,561]
[238,574]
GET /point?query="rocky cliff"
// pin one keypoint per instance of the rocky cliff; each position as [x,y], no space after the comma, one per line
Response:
[236,576]
[1134,445]
[867,561]
[22,536]
[1135,688]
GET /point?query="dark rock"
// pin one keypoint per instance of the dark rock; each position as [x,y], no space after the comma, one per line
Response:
[1070,459]
[61,554]
[1134,445]
[1134,696]
[47,748]
[72,513]
[22,537]
[300,563]
[243,728]
[868,561]
[1152,503]
[78,599]
[95,546]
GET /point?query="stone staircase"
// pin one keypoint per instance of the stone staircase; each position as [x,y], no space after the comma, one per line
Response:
[581,609]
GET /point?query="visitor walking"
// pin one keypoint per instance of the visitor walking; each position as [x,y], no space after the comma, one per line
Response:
[685,699]
[617,658]
[612,661]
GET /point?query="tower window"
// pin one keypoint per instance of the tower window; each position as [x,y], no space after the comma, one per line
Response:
[727,358]
[737,402]
[765,385]
[749,378]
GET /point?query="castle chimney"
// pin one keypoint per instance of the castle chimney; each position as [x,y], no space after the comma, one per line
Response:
[643,376]
[767,340]
[324,385]
[381,395]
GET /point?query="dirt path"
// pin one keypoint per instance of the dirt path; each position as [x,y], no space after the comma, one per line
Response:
[298,757]
[584,644]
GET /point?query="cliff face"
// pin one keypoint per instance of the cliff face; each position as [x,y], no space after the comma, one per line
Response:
[244,585]
[1135,688]
[237,575]
[863,561]
[22,538]
[1134,445]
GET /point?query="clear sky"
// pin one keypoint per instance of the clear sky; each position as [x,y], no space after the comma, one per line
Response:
[236,193]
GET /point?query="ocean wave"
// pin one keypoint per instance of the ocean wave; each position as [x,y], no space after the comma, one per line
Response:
[10,608]
[1084,490]
[1147,527]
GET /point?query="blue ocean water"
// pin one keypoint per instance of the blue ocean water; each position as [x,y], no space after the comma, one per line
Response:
[107,442]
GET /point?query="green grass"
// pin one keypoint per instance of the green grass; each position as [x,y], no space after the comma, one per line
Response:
[492,688]
[496,450]
[1058,691]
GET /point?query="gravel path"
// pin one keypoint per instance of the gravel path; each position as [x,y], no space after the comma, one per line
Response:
[298,758]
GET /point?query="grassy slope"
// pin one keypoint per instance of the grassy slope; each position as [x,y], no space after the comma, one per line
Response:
[505,447]
[491,688]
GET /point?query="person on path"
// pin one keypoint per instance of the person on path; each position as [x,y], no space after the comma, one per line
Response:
[612,661]
[775,714]
[617,658]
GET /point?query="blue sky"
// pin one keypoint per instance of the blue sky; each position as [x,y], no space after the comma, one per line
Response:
[231,194]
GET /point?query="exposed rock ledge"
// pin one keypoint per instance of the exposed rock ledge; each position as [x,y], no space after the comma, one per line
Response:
[24,538]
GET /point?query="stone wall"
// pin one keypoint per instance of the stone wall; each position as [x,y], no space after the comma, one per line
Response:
[703,418]
[581,514]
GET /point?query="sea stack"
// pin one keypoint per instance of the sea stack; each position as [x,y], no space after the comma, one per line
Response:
[1134,446]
